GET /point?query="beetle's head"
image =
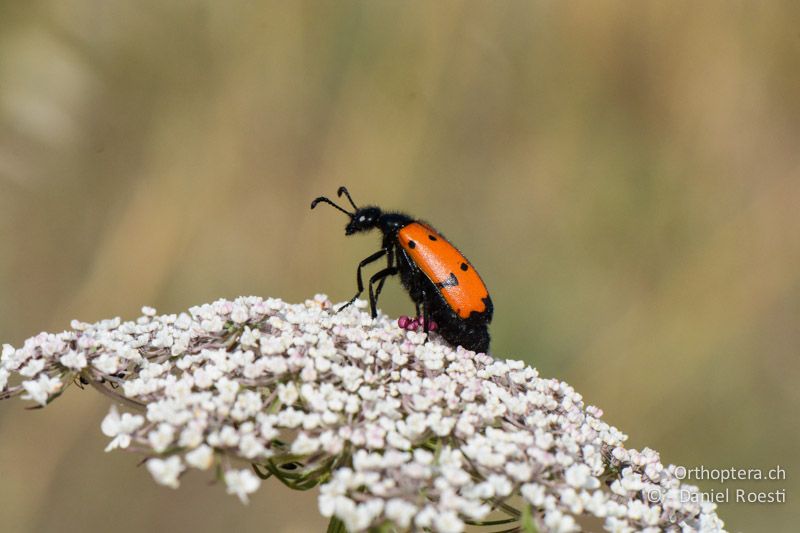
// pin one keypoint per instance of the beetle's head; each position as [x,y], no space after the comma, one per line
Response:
[361,219]
[364,219]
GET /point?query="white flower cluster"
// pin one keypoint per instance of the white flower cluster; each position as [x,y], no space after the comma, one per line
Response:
[397,428]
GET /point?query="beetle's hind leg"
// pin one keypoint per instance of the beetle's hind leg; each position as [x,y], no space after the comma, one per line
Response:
[423,313]
[428,325]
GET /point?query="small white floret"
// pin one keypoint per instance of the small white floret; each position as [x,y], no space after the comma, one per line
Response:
[241,483]
[166,471]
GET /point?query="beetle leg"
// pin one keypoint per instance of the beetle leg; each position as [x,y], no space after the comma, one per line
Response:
[364,262]
[428,324]
[389,264]
[419,319]
[425,312]
[377,277]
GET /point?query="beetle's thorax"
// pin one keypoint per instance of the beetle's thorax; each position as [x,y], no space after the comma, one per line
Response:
[391,223]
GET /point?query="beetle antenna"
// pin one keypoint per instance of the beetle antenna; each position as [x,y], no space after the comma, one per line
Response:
[328,201]
[343,190]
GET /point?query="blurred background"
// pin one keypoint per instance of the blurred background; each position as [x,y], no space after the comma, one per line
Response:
[625,176]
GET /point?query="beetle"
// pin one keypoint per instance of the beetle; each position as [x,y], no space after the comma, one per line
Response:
[438,278]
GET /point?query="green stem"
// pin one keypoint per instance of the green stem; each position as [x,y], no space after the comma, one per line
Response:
[336,526]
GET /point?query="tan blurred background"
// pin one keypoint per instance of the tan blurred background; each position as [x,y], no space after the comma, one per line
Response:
[626,176]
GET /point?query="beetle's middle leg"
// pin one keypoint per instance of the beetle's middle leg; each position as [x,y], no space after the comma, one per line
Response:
[364,262]
[377,278]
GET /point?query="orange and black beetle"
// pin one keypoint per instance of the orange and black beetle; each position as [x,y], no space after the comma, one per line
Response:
[436,275]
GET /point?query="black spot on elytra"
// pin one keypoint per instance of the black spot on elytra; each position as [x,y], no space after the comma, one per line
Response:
[451,281]
[412,244]
[464,267]
[431,237]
